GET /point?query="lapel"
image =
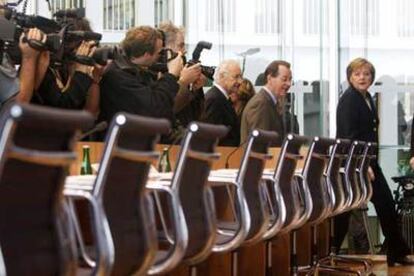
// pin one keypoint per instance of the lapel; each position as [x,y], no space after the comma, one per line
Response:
[372,111]
[274,116]
[226,102]
[268,99]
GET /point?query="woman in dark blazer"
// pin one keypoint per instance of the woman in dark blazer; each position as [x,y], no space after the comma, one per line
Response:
[357,119]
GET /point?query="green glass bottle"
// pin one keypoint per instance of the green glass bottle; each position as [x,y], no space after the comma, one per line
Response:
[164,163]
[86,167]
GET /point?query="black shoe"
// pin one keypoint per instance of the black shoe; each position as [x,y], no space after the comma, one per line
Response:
[402,260]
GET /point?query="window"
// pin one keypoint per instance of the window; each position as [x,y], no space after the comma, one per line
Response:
[164,10]
[267,17]
[363,17]
[312,10]
[221,15]
[119,14]
[405,19]
[66,4]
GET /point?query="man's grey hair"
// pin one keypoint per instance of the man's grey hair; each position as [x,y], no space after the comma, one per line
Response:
[170,31]
[223,68]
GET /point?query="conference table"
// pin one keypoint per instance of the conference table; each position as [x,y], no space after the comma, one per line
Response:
[251,260]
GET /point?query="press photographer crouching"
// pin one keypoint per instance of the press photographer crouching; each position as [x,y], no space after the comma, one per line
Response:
[128,84]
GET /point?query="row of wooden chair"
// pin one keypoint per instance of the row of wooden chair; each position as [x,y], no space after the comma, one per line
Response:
[39,227]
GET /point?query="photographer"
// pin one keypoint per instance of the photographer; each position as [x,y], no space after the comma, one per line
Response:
[189,101]
[16,85]
[28,63]
[129,86]
[66,86]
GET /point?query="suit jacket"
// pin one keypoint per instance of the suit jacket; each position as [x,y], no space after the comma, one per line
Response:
[219,111]
[412,138]
[354,119]
[261,113]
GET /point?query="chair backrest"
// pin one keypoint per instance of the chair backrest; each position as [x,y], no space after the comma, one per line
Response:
[312,182]
[126,236]
[361,160]
[351,172]
[250,177]
[328,174]
[334,178]
[191,180]
[348,176]
[287,204]
[369,154]
[36,149]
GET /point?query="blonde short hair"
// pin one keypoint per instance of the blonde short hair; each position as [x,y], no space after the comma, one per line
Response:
[358,63]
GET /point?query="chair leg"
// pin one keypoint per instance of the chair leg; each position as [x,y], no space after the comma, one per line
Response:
[193,270]
[294,261]
[314,246]
[268,258]
[349,260]
[234,263]
[329,263]
[322,268]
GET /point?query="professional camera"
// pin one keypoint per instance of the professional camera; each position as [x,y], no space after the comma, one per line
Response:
[207,71]
[100,56]
[13,23]
[61,38]
[167,54]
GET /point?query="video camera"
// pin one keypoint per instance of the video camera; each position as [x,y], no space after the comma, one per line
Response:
[59,33]
[13,24]
[167,54]
[100,56]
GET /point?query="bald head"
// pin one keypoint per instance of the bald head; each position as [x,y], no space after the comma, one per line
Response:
[228,75]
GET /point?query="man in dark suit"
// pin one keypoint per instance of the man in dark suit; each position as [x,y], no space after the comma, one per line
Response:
[218,109]
[412,145]
[357,119]
[265,109]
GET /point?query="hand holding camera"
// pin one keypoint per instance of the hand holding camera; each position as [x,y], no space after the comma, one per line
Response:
[199,83]
[87,48]
[29,42]
[190,74]
[175,65]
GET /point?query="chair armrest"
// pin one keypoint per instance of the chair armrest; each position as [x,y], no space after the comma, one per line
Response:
[77,193]
[50,158]
[159,185]
[222,178]
[180,239]
[80,182]
[203,155]
[220,182]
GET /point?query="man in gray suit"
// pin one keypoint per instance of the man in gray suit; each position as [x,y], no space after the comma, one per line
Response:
[265,109]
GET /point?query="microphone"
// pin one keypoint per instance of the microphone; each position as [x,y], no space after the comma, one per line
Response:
[99,127]
[232,152]
[176,140]
[249,52]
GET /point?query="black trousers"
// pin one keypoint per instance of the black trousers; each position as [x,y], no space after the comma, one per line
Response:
[385,207]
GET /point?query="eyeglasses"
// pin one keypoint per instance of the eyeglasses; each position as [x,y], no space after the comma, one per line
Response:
[237,77]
